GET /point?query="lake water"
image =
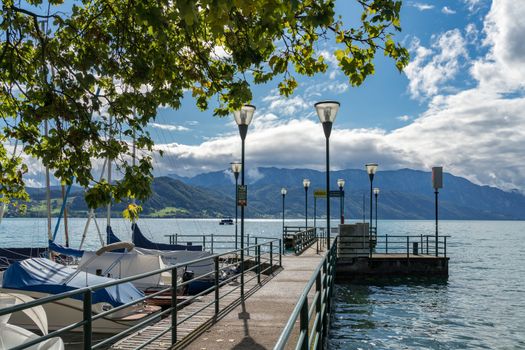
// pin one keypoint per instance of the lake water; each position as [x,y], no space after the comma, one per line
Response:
[480,306]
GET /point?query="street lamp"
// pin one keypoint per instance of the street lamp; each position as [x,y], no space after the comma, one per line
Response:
[243,117]
[371,169]
[341,184]
[376,193]
[283,193]
[327,111]
[306,184]
[437,183]
[236,169]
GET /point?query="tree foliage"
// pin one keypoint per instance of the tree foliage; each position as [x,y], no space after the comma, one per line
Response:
[97,70]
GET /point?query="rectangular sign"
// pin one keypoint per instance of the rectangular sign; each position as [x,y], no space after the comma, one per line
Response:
[336,194]
[437,177]
[320,194]
[242,195]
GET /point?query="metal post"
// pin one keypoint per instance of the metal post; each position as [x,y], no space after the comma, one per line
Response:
[445,246]
[259,264]
[318,308]
[427,244]
[408,247]
[211,243]
[376,214]
[327,191]
[283,214]
[242,216]
[271,257]
[216,285]
[280,255]
[386,243]
[341,209]
[87,318]
[436,193]
[371,176]
[236,207]
[325,298]
[203,242]
[176,238]
[173,306]
[306,207]
[248,244]
[304,324]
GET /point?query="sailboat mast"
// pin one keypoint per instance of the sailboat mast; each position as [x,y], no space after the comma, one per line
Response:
[65,216]
[48,191]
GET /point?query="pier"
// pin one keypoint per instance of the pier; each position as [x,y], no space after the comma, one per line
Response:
[285,301]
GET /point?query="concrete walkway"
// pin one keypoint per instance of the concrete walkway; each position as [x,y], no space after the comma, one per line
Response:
[258,322]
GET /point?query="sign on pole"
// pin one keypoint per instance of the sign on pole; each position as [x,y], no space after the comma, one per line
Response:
[242,195]
[320,194]
[335,194]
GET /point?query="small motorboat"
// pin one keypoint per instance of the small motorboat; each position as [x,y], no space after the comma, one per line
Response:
[226,221]
[40,277]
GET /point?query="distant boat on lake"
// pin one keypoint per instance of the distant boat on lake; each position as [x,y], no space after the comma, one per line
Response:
[226,221]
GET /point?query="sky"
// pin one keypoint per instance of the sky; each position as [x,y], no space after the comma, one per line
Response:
[460,104]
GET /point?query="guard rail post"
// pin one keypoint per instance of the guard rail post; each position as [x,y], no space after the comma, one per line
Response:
[271,257]
[280,255]
[216,285]
[87,318]
[174,305]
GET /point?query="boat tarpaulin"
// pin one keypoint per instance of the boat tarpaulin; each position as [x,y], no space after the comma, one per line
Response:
[142,242]
[112,238]
[57,248]
[45,276]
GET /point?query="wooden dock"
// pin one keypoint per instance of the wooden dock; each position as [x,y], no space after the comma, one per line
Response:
[240,325]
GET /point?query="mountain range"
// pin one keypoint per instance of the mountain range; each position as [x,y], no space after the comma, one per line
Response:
[404,194]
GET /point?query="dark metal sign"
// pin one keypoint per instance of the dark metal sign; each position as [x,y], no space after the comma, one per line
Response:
[320,194]
[242,195]
[336,194]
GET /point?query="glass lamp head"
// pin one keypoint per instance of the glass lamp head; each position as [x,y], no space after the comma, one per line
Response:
[306,183]
[283,191]
[244,116]
[371,168]
[236,167]
[376,191]
[327,110]
[340,183]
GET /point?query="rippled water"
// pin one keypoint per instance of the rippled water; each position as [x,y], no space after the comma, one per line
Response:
[480,306]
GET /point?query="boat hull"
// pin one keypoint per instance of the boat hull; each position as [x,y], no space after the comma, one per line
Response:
[65,312]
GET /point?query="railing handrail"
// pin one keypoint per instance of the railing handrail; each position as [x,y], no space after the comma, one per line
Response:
[287,331]
[93,288]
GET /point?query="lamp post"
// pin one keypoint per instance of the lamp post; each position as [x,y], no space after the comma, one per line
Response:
[306,184]
[327,111]
[437,183]
[283,193]
[236,169]
[243,117]
[371,169]
[341,184]
[376,193]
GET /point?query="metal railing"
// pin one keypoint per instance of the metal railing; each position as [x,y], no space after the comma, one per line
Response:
[215,243]
[299,238]
[408,245]
[313,316]
[265,259]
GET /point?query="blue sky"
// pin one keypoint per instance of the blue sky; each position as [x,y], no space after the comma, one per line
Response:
[460,103]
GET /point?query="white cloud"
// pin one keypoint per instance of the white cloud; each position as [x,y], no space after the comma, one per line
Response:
[471,34]
[421,6]
[168,127]
[431,68]
[447,10]
[404,118]
[282,105]
[503,69]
